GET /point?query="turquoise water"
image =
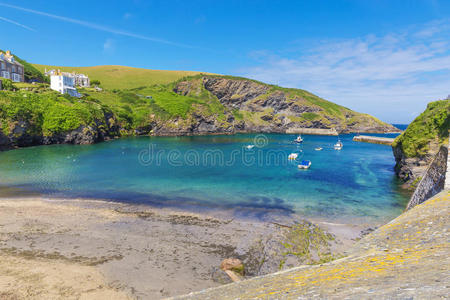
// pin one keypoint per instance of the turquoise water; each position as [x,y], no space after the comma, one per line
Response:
[356,183]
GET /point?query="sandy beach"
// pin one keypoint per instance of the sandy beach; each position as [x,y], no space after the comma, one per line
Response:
[92,249]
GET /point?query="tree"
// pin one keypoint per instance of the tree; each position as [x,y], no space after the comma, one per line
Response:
[95,82]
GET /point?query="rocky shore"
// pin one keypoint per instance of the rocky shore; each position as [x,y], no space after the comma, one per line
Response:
[404,259]
[94,249]
[198,106]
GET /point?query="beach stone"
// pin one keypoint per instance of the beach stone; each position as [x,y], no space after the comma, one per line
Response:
[233,264]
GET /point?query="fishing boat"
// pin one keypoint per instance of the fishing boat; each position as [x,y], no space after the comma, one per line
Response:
[298,139]
[305,164]
[338,145]
[293,156]
[318,149]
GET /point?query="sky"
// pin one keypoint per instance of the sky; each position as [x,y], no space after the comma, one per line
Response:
[382,57]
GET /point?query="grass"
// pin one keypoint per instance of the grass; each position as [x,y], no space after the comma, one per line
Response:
[46,113]
[120,77]
[432,125]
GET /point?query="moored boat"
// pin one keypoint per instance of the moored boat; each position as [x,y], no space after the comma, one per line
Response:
[299,139]
[338,145]
[305,164]
[293,156]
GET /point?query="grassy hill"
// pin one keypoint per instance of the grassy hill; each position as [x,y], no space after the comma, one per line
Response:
[431,126]
[120,77]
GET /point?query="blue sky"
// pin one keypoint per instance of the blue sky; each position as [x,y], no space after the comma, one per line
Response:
[382,57]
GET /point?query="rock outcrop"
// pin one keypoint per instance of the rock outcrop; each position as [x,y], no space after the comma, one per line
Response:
[416,147]
[251,106]
[24,134]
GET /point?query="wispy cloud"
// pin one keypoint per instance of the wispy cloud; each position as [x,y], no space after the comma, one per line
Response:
[16,23]
[108,46]
[391,76]
[95,26]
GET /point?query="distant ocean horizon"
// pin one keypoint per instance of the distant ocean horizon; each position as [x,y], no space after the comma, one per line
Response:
[401,126]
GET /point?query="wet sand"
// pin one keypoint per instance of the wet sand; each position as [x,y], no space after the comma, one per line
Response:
[96,249]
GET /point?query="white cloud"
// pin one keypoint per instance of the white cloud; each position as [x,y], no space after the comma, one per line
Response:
[16,23]
[108,46]
[95,26]
[389,76]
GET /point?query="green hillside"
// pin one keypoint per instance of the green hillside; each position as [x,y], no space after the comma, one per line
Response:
[432,125]
[120,77]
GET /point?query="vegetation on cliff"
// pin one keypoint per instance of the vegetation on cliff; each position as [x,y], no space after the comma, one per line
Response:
[431,126]
[45,114]
[176,105]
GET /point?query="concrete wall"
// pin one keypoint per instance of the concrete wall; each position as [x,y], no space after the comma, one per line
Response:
[447,176]
[434,180]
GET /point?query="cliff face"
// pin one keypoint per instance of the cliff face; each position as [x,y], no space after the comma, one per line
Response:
[415,148]
[205,104]
[251,106]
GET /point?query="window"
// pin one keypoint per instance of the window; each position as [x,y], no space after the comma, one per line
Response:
[13,69]
[6,75]
[3,65]
[16,77]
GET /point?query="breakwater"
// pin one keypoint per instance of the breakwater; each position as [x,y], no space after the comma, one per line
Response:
[374,139]
[314,131]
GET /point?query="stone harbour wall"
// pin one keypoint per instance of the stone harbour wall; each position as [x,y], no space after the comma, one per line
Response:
[434,180]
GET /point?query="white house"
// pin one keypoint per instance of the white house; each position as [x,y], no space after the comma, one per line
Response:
[63,84]
[79,79]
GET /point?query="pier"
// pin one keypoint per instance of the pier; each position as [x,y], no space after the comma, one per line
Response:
[374,139]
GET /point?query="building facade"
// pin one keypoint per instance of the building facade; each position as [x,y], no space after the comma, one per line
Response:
[63,84]
[80,80]
[10,68]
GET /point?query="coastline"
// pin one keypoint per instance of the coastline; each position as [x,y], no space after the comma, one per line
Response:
[306,131]
[133,250]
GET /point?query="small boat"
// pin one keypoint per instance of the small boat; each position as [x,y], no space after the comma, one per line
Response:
[338,145]
[293,156]
[318,149]
[298,139]
[250,147]
[305,164]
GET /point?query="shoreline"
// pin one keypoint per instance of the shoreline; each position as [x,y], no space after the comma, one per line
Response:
[147,252]
[305,131]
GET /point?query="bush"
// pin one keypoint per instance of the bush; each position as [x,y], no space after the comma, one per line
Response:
[95,82]
[8,85]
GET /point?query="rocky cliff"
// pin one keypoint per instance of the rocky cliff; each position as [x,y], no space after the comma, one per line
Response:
[416,148]
[251,106]
[202,104]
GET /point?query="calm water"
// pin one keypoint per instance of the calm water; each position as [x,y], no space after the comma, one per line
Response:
[356,183]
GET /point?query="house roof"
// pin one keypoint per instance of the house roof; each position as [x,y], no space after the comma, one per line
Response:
[8,57]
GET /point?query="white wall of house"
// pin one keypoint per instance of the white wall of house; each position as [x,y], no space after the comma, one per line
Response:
[64,85]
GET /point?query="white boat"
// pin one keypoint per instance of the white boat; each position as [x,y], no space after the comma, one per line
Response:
[298,139]
[305,164]
[250,147]
[338,145]
[318,149]
[293,156]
